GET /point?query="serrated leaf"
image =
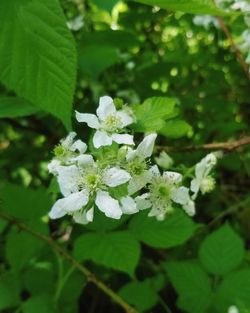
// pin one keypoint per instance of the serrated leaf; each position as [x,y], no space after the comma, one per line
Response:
[116,250]
[20,249]
[175,128]
[222,251]
[93,60]
[42,64]
[9,291]
[173,231]
[234,290]
[139,294]
[192,285]
[39,304]
[15,107]
[151,115]
[24,203]
[187,6]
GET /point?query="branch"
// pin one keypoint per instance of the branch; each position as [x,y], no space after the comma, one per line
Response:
[81,268]
[234,47]
[226,146]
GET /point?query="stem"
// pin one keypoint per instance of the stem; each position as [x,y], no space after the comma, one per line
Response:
[81,268]
[228,146]
[234,47]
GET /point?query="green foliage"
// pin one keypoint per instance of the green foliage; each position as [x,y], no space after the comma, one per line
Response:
[221,251]
[37,33]
[184,82]
[117,250]
[187,6]
[9,290]
[24,203]
[142,294]
[173,231]
[15,107]
[20,249]
[234,290]
[192,284]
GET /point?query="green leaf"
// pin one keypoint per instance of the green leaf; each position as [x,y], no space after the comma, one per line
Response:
[103,223]
[15,107]
[9,291]
[45,278]
[106,5]
[187,6]
[116,250]
[42,64]
[142,294]
[20,249]
[175,129]
[93,60]
[24,203]
[173,231]
[150,115]
[234,290]
[39,304]
[222,251]
[192,285]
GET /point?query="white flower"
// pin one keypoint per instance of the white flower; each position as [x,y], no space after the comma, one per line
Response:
[233,309]
[68,152]
[137,165]
[202,180]
[164,160]
[206,21]
[163,191]
[88,183]
[242,5]
[76,23]
[108,123]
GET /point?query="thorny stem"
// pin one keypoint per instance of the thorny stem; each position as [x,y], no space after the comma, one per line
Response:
[226,146]
[81,268]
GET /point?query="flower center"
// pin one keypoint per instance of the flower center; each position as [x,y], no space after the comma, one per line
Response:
[207,184]
[62,153]
[112,123]
[160,195]
[137,167]
[91,179]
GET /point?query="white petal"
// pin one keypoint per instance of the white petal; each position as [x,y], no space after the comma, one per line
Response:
[106,107]
[173,177]
[145,148]
[54,167]
[138,182]
[101,139]
[123,139]
[73,202]
[189,208]
[67,142]
[131,154]
[115,176]
[142,202]
[128,205]
[154,171]
[79,146]
[126,119]
[195,185]
[85,160]
[84,217]
[109,206]
[68,177]
[180,195]
[90,119]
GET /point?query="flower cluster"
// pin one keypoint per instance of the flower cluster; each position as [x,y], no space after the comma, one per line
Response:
[116,177]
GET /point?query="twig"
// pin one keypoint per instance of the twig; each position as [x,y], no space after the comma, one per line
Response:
[87,273]
[226,146]
[234,46]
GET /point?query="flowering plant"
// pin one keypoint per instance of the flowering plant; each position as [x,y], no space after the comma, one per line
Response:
[88,184]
